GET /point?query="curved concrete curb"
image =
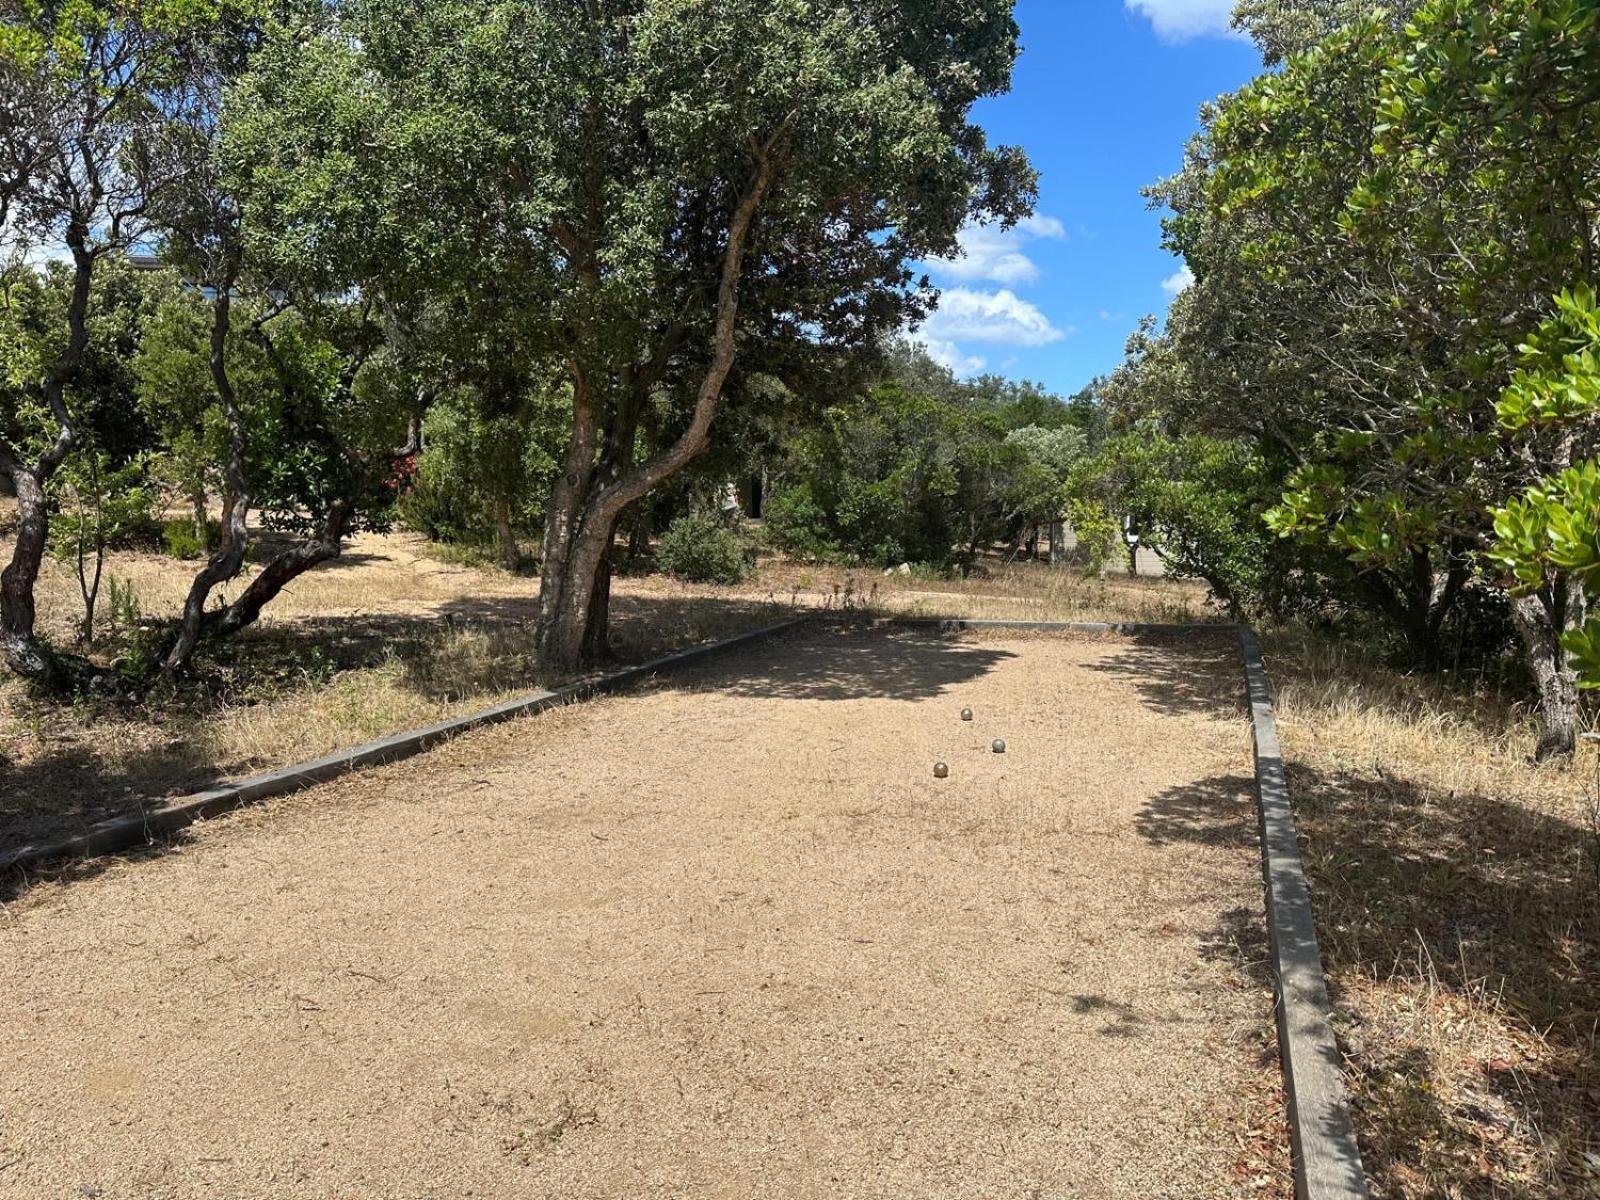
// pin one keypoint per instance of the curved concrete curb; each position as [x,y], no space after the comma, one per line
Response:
[123,833]
[1327,1160]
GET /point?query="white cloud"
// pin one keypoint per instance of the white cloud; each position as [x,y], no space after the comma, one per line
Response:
[1002,317]
[949,355]
[1178,20]
[1045,227]
[1178,283]
[995,255]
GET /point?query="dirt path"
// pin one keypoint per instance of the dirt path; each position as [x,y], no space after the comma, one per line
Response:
[728,938]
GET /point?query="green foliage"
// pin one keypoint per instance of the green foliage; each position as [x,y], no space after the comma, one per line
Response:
[701,548]
[1558,382]
[1371,227]
[1195,501]
[1038,486]
[798,526]
[97,504]
[122,605]
[898,476]
[922,468]
[1548,538]
[479,465]
[185,542]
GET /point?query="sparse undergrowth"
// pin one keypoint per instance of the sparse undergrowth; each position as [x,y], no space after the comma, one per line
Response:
[1457,892]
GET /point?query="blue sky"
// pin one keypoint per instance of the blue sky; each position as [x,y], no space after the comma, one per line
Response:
[1105,96]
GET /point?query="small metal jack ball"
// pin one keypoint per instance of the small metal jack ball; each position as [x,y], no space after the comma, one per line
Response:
[940,771]
[999,746]
[966,714]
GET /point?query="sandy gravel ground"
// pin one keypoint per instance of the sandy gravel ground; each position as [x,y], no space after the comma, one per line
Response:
[728,938]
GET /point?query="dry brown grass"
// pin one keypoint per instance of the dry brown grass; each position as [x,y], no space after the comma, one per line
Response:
[999,591]
[1458,902]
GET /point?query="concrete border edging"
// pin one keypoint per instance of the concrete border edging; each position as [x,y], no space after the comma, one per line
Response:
[123,833]
[1326,1155]
[1327,1158]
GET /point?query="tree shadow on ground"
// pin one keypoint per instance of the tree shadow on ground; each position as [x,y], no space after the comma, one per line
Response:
[1466,932]
[1182,673]
[92,760]
[851,664]
[1218,811]
[1122,1019]
[1489,906]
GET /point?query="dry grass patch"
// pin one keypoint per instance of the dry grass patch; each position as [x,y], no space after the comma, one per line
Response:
[386,639]
[1457,890]
[998,591]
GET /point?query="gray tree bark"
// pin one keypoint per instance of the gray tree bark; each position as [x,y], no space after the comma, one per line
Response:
[588,501]
[1540,622]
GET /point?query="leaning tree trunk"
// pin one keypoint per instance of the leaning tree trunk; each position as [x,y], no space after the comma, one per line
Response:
[1540,622]
[227,560]
[325,544]
[591,496]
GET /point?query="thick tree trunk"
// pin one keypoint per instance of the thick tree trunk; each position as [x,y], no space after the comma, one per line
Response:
[639,536]
[567,593]
[25,652]
[1540,622]
[597,637]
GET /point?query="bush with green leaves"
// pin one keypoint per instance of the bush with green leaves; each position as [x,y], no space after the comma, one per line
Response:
[485,469]
[701,548]
[116,508]
[796,525]
[185,541]
[1547,540]
[1195,501]
[1038,493]
[899,474]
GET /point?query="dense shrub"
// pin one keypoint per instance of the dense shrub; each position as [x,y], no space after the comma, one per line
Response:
[895,476]
[184,541]
[704,549]
[485,470]
[798,526]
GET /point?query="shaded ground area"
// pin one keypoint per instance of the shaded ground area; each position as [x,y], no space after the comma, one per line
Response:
[727,938]
[1488,1084]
